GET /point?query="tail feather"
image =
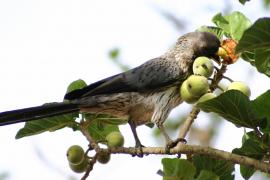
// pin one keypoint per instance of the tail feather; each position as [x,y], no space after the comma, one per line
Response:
[38,112]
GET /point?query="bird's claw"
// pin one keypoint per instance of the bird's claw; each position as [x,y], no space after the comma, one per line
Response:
[139,153]
[171,144]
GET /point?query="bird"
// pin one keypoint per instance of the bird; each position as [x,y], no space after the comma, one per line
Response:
[146,93]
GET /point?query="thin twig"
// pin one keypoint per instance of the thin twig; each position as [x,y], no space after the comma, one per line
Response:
[195,149]
[229,79]
[90,167]
[188,122]
[84,129]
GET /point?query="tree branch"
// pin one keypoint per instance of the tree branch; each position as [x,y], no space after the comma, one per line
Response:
[195,149]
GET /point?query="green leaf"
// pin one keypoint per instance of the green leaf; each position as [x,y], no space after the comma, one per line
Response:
[215,30]
[221,168]
[266,3]
[78,84]
[256,37]
[261,108]
[246,172]
[233,24]
[207,175]
[234,106]
[262,61]
[99,130]
[107,119]
[251,148]
[104,118]
[114,53]
[46,124]
[177,169]
[243,1]
[249,56]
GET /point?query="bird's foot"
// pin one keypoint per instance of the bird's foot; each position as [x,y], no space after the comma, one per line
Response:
[139,152]
[171,144]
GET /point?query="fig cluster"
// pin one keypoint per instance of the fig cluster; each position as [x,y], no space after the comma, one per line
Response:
[78,160]
[196,87]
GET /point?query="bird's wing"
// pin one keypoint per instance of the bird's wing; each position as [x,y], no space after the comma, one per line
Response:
[156,73]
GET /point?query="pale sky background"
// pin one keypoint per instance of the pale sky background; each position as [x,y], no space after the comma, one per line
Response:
[44,45]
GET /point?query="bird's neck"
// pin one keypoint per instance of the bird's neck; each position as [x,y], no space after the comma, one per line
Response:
[182,56]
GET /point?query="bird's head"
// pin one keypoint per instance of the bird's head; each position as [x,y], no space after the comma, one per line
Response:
[197,44]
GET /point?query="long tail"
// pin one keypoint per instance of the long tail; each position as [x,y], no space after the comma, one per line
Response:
[38,112]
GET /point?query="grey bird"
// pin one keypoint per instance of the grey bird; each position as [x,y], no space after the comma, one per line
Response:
[144,94]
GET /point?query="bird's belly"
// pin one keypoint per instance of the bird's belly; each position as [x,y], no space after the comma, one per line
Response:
[141,108]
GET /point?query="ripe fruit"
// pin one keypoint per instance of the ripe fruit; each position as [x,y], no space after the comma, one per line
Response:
[185,94]
[79,168]
[197,85]
[75,154]
[206,97]
[103,157]
[203,66]
[237,85]
[115,139]
[229,45]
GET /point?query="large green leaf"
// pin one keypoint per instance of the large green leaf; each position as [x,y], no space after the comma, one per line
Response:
[46,124]
[177,169]
[261,108]
[255,45]
[234,106]
[251,148]
[207,175]
[233,24]
[246,172]
[256,37]
[223,169]
[262,60]
[99,130]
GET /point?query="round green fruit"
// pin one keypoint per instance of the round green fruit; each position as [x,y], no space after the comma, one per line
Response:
[185,94]
[115,139]
[79,168]
[197,85]
[203,66]
[75,154]
[103,157]
[206,97]
[240,86]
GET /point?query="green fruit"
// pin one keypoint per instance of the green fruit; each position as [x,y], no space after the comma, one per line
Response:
[75,154]
[78,84]
[197,85]
[222,53]
[103,157]
[79,168]
[115,139]
[185,94]
[206,97]
[240,86]
[203,66]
